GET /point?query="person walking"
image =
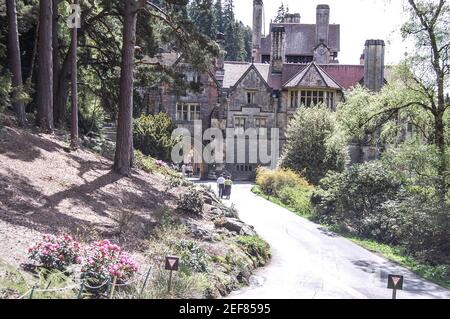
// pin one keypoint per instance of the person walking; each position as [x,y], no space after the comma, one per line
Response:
[221,185]
[228,185]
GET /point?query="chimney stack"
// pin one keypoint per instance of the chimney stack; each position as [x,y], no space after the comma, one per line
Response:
[374,65]
[322,24]
[292,18]
[278,48]
[257,30]
[220,38]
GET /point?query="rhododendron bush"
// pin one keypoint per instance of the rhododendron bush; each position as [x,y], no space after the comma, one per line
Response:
[105,260]
[56,252]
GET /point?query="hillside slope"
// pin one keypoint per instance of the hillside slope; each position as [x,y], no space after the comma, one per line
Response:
[46,189]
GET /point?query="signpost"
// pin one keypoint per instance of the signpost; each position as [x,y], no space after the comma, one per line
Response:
[395,282]
[172,264]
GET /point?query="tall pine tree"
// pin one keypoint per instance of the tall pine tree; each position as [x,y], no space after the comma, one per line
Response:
[281,13]
[202,14]
[218,12]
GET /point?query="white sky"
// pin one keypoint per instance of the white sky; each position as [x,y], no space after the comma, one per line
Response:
[359,19]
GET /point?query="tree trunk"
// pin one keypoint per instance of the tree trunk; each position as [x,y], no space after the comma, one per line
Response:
[15,63]
[62,86]
[45,74]
[124,144]
[56,63]
[74,85]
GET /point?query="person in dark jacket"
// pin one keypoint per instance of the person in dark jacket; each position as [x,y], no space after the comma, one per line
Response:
[228,185]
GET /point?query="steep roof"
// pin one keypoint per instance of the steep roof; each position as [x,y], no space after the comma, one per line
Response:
[301,39]
[234,71]
[312,76]
[346,75]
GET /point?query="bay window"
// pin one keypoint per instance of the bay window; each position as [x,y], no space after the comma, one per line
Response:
[309,98]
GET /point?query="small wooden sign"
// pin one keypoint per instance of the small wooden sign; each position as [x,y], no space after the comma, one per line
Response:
[395,282]
[172,263]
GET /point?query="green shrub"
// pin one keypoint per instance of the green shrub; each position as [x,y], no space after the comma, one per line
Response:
[91,116]
[298,198]
[5,90]
[376,201]
[191,202]
[273,181]
[416,224]
[193,257]
[355,197]
[153,135]
[146,163]
[308,149]
[256,247]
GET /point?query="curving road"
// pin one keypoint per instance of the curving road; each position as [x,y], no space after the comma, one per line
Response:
[310,262]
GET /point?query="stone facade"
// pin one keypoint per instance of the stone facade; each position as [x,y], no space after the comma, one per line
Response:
[294,66]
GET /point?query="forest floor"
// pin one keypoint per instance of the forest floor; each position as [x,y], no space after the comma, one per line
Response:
[45,188]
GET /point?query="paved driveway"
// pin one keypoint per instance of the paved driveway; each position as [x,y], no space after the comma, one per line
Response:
[310,262]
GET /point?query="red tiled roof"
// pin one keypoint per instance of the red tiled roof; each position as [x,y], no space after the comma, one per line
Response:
[299,79]
[346,75]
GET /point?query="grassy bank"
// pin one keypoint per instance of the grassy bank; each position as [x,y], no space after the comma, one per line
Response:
[302,213]
[436,274]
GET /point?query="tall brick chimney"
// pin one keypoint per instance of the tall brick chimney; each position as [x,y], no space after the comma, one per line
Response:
[220,38]
[257,30]
[374,65]
[322,23]
[278,48]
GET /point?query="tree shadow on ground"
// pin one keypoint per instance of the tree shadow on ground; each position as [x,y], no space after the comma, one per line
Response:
[24,205]
[27,147]
[412,282]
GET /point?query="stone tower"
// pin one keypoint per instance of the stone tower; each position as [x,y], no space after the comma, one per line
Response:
[257,30]
[374,65]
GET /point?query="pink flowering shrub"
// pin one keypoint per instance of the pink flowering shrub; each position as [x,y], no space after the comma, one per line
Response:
[56,252]
[105,260]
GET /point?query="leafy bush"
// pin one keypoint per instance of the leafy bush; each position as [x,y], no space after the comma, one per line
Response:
[105,261]
[191,202]
[388,204]
[255,246]
[355,198]
[417,225]
[56,252]
[153,135]
[298,198]
[308,149]
[193,257]
[5,90]
[91,117]
[146,163]
[273,181]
